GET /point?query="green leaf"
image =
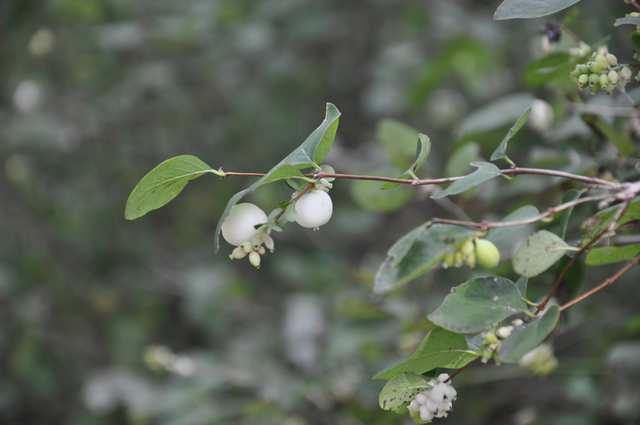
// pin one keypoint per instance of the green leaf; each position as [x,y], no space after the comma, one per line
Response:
[540,251]
[526,9]
[439,349]
[160,185]
[399,391]
[422,152]
[501,235]
[570,196]
[478,304]
[612,254]
[627,20]
[378,197]
[527,337]
[601,220]
[485,171]
[499,113]
[400,141]
[309,154]
[521,284]
[547,69]
[460,160]
[501,150]
[416,253]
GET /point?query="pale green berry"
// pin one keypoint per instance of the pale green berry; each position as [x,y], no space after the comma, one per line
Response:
[487,254]
[612,59]
[594,79]
[613,77]
[625,73]
[604,81]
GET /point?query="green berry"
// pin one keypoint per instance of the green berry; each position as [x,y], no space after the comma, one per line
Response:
[613,77]
[487,254]
[583,80]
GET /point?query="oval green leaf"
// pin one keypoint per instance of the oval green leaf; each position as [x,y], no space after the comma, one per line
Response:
[539,252]
[399,391]
[527,9]
[163,183]
[478,304]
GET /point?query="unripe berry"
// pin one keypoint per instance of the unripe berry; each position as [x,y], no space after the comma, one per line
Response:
[240,225]
[613,77]
[313,209]
[625,73]
[487,254]
[504,332]
[594,79]
[612,59]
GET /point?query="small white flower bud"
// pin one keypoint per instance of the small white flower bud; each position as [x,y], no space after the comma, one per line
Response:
[425,414]
[443,377]
[517,322]
[237,253]
[254,259]
[504,332]
[268,242]
[261,250]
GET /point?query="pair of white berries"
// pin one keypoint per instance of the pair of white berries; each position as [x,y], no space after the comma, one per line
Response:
[245,227]
[435,402]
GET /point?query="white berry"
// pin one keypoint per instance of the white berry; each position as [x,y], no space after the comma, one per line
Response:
[313,209]
[541,116]
[242,222]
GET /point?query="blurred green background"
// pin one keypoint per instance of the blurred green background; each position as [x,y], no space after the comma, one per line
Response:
[104,321]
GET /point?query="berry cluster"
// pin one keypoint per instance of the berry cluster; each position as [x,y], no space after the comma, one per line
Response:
[601,72]
[435,402]
[472,252]
[248,227]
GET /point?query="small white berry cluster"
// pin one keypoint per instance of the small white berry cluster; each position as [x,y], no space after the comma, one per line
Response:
[435,402]
[492,340]
[601,72]
[248,228]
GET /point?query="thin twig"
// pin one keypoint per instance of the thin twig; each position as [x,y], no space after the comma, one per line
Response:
[556,284]
[607,282]
[486,225]
[445,180]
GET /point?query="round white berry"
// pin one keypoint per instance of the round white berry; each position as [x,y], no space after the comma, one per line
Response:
[313,209]
[425,414]
[242,222]
[541,116]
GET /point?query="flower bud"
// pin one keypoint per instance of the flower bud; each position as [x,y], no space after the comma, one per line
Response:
[541,116]
[254,259]
[504,332]
[268,242]
[238,253]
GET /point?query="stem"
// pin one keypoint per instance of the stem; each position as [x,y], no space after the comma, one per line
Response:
[607,282]
[556,284]
[515,171]
[485,225]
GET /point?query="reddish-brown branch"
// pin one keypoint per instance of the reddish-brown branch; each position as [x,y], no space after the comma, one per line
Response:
[605,283]
[486,225]
[445,180]
[556,284]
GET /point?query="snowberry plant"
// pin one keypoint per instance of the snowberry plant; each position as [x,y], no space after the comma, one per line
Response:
[490,317]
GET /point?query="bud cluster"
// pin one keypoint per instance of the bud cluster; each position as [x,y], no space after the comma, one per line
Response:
[434,402]
[601,72]
[492,340]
